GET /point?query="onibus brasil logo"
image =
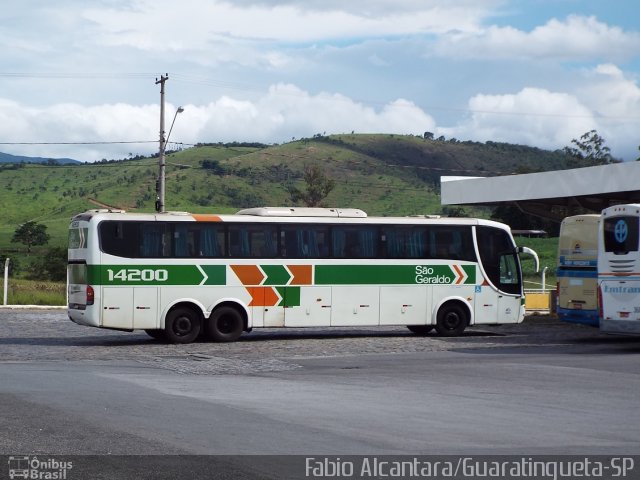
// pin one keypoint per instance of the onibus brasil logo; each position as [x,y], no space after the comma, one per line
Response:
[34,468]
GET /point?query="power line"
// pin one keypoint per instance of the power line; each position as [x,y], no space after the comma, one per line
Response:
[81,143]
[75,75]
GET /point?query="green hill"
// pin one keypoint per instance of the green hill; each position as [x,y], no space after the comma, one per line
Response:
[8,158]
[381,174]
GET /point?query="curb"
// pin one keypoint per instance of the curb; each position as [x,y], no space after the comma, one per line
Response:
[32,307]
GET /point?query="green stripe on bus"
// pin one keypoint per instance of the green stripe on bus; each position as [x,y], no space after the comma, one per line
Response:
[276,275]
[157,275]
[393,274]
[290,296]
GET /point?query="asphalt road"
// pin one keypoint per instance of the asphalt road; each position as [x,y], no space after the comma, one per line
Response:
[537,388]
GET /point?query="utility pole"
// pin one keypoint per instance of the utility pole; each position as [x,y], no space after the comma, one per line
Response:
[161,159]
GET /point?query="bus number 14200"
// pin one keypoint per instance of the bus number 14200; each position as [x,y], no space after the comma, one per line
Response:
[137,275]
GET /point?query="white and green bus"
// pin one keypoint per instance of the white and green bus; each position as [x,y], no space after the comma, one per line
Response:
[179,275]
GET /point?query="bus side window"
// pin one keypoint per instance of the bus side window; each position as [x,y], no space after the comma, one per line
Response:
[304,241]
[355,242]
[210,241]
[156,240]
[238,242]
[394,244]
[268,244]
[416,244]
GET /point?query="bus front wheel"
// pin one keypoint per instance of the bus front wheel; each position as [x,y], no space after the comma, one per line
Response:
[452,320]
[182,325]
[225,324]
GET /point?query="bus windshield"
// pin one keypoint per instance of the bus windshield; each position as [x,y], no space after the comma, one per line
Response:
[499,259]
[621,235]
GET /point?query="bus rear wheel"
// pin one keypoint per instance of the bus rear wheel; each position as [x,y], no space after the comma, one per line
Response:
[420,329]
[225,324]
[452,320]
[182,325]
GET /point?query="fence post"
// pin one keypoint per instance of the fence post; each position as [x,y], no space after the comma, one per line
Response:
[6,281]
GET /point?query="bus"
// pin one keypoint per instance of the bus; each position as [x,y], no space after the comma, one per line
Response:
[619,269]
[178,276]
[577,273]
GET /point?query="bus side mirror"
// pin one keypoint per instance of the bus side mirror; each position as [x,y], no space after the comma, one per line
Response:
[528,251]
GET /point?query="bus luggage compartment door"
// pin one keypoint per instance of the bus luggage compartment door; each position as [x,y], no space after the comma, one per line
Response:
[117,307]
[404,305]
[353,306]
[307,306]
[130,307]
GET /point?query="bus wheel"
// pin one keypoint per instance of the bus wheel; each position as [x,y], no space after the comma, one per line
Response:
[420,329]
[452,320]
[225,324]
[182,325]
[156,334]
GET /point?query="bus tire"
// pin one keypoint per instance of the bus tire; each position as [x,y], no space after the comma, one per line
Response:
[225,324]
[420,329]
[452,320]
[182,325]
[156,334]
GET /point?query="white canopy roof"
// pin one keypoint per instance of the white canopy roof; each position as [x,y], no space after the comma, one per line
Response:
[593,188]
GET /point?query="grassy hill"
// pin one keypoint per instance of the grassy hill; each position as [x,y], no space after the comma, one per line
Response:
[8,158]
[381,174]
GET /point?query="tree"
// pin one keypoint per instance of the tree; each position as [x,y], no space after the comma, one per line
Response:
[31,234]
[454,212]
[519,220]
[591,147]
[51,266]
[318,186]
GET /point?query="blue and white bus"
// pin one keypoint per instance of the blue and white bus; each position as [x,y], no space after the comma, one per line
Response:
[577,275]
[619,269]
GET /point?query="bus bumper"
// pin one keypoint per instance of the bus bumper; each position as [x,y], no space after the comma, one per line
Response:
[584,317]
[84,317]
[622,327]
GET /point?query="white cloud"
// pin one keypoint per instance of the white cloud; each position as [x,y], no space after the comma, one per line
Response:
[609,103]
[156,25]
[539,86]
[615,99]
[532,116]
[76,123]
[284,112]
[576,38]
[374,7]
[287,111]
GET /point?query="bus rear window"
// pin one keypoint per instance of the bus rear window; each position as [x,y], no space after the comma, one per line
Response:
[621,235]
[78,238]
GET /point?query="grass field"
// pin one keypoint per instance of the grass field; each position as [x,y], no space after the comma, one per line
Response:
[32,292]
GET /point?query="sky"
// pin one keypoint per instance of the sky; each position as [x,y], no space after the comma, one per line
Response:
[78,77]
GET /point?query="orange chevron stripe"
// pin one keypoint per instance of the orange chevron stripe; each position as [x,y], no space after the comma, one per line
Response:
[263,296]
[459,272]
[302,274]
[206,218]
[248,274]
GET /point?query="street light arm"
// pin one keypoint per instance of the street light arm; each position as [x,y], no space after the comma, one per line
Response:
[179,110]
